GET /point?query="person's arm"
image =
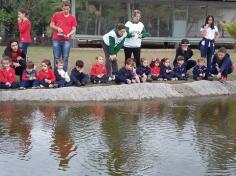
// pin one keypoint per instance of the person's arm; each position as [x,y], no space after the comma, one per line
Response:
[53,25]
[24,77]
[203,30]
[71,32]
[217,34]
[144,33]
[23,25]
[13,77]
[3,78]
[129,34]
[73,76]
[111,45]
[93,71]
[52,76]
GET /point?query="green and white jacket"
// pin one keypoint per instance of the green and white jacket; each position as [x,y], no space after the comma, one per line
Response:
[114,41]
[135,27]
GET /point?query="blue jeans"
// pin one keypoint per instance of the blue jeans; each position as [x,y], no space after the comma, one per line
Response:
[24,46]
[208,55]
[61,49]
[29,83]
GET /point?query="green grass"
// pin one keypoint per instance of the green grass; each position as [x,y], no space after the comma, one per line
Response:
[38,53]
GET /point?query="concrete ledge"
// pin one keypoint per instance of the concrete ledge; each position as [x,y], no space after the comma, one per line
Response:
[122,92]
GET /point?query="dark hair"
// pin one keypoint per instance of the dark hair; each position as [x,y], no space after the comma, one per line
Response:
[65,3]
[29,65]
[79,63]
[222,50]
[129,61]
[135,12]
[47,62]
[120,26]
[153,62]
[6,58]
[164,60]
[24,11]
[206,21]
[8,50]
[179,58]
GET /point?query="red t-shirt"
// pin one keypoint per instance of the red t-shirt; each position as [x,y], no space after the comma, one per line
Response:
[7,75]
[65,23]
[155,70]
[98,69]
[25,29]
[46,75]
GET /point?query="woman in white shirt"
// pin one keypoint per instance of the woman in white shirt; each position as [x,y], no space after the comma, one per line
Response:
[210,34]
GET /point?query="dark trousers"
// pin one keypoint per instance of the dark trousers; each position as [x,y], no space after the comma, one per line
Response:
[136,54]
[111,65]
[63,83]
[96,79]
[225,73]
[189,64]
[14,85]
[42,82]
[207,53]
[81,81]
[29,83]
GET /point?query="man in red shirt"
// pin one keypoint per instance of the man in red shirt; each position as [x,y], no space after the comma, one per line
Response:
[63,25]
[24,27]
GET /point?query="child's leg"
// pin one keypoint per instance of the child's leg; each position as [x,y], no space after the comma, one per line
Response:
[107,57]
[25,84]
[4,86]
[14,85]
[60,83]
[114,67]
[104,79]
[85,79]
[94,79]
[210,52]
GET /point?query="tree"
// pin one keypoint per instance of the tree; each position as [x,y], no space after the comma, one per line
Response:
[231,29]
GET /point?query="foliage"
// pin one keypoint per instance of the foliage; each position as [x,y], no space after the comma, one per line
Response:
[230,28]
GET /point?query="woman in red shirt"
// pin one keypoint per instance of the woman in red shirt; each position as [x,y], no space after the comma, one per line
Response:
[17,56]
[24,27]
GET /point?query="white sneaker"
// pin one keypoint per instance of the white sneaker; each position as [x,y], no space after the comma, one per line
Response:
[110,78]
[22,88]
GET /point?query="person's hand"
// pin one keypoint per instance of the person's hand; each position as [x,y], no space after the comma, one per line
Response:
[67,35]
[133,81]
[8,84]
[30,78]
[60,30]
[219,76]
[206,26]
[183,74]
[19,58]
[112,57]
[128,81]
[201,74]
[15,64]
[19,20]
[99,76]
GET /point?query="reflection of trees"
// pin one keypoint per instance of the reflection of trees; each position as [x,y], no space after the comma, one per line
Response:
[16,122]
[215,135]
[63,144]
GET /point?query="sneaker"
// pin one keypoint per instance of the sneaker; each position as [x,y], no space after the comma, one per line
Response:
[113,77]
[165,79]
[41,86]
[160,79]
[94,82]
[173,79]
[110,78]
[22,88]
[35,87]
[51,86]
[99,82]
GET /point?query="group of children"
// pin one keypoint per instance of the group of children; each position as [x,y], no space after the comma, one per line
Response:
[157,70]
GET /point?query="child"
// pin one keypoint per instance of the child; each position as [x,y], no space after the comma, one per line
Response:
[78,77]
[222,64]
[166,72]
[29,76]
[180,68]
[155,69]
[125,74]
[136,77]
[144,71]
[62,77]
[46,77]
[200,71]
[7,75]
[98,71]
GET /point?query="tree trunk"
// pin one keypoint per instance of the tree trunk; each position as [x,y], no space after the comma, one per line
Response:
[128,9]
[99,20]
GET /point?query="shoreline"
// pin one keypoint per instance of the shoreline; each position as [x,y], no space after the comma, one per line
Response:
[142,91]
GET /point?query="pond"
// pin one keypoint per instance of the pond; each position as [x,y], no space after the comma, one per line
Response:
[195,136]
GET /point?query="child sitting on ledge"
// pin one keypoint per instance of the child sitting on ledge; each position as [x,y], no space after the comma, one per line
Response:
[98,72]
[200,71]
[125,75]
[7,74]
[29,76]
[78,77]
[144,71]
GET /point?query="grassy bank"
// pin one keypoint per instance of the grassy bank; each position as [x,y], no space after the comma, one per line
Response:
[36,54]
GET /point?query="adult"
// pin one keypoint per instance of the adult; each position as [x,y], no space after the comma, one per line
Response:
[138,31]
[210,34]
[185,51]
[222,64]
[24,27]
[63,25]
[17,56]
[112,42]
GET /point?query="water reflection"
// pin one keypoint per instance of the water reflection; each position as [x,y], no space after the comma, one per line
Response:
[127,138]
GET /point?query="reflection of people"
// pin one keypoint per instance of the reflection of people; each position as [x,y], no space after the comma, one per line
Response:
[138,31]
[210,34]
[63,144]
[112,42]
[185,51]
[63,25]
[24,26]
[222,64]
[17,56]
[98,111]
